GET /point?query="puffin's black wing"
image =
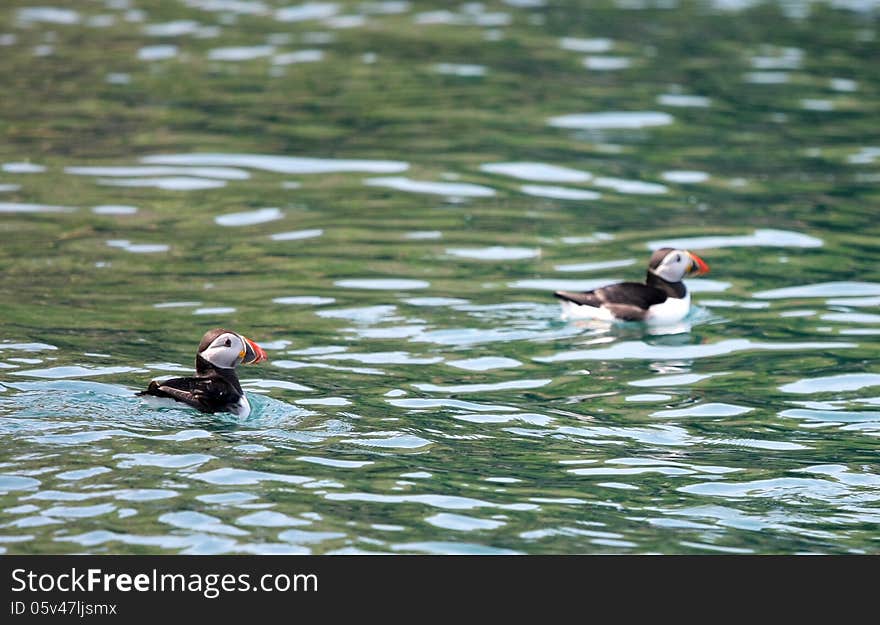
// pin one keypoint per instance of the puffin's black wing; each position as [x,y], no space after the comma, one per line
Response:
[629,301]
[208,394]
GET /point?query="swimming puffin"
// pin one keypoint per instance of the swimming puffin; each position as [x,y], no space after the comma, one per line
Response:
[661,299]
[215,387]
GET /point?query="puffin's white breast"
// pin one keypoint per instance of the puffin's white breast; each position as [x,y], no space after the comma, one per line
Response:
[241,408]
[670,311]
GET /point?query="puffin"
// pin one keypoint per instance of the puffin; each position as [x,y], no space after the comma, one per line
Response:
[661,299]
[215,386]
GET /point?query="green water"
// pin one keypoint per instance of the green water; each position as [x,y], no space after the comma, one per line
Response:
[422,394]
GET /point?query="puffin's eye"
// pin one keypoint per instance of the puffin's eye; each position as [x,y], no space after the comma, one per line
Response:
[678,258]
[228,343]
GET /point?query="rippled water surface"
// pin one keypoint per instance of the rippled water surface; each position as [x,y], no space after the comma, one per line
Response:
[383,195]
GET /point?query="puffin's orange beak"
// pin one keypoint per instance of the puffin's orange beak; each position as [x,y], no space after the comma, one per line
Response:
[699,267]
[253,353]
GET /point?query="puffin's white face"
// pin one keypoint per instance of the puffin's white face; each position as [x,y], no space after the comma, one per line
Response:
[229,350]
[680,263]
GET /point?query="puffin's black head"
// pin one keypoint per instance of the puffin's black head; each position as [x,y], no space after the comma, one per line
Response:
[227,349]
[672,265]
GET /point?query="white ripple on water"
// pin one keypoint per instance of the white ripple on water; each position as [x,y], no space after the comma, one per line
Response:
[75,371]
[169,183]
[26,347]
[446,502]
[269,518]
[496,252]
[537,172]
[240,53]
[270,384]
[299,56]
[860,420]
[833,383]
[280,164]
[336,463]
[17,207]
[49,15]
[199,522]
[177,305]
[607,63]
[138,248]
[486,418]
[157,53]
[469,70]
[773,57]
[783,489]
[449,189]
[424,235]
[382,284]
[685,176]
[117,78]
[854,301]
[17,482]
[297,235]
[383,358]
[462,523]
[434,301]
[639,350]
[307,11]
[611,120]
[223,173]
[146,494]
[674,380]
[850,317]
[304,300]
[711,409]
[723,303]
[559,193]
[249,218]
[485,363]
[239,477]
[166,461]
[647,397]
[397,441]
[368,315]
[760,238]
[114,209]
[816,104]
[23,168]
[9,188]
[683,100]
[81,474]
[575,44]
[227,498]
[632,187]
[766,78]
[216,310]
[843,84]
[385,7]
[470,15]
[417,403]
[823,289]
[596,266]
[176,28]
[597,237]
[479,388]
